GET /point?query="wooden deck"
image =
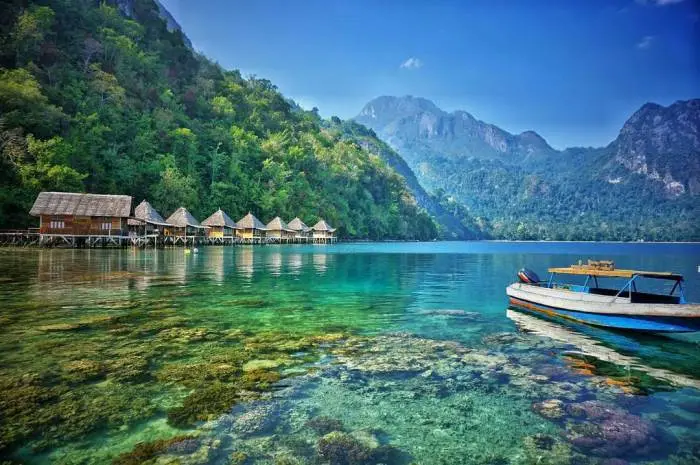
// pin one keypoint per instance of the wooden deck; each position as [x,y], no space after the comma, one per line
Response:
[33,237]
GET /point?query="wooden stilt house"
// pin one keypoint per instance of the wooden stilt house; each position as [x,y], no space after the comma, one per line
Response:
[147,221]
[68,215]
[250,229]
[278,231]
[184,228]
[322,232]
[302,232]
[220,226]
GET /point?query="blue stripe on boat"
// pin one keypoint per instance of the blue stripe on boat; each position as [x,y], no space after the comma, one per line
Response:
[637,323]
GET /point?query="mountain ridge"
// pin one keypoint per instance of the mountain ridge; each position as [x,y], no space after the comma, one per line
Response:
[654,160]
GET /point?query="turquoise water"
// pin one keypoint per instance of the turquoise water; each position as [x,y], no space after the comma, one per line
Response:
[353,353]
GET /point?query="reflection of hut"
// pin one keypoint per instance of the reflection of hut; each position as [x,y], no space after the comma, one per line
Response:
[302,232]
[90,219]
[278,231]
[220,227]
[250,229]
[183,227]
[147,225]
[323,233]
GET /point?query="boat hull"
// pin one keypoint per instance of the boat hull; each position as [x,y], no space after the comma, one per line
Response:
[605,314]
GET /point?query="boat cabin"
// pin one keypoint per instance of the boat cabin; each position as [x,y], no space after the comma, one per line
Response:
[594,273]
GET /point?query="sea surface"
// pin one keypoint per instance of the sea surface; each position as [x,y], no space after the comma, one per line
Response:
[376,353]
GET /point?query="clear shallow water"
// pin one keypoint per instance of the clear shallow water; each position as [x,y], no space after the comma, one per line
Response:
[259,354]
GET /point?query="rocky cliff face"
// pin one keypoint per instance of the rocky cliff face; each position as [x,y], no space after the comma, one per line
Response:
[127,9]
[663,145]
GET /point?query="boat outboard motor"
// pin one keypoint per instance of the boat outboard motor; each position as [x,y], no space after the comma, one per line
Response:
[528,276]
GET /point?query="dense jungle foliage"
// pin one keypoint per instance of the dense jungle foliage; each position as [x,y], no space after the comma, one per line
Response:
[92,100]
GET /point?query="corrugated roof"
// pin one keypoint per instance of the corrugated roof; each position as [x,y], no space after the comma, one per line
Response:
[77,204]
[297,225]
[250,222]
[146,213]
[322,226]
[278,225]
[220,218]
[181,218]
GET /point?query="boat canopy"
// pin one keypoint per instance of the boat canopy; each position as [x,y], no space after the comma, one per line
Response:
[586,270]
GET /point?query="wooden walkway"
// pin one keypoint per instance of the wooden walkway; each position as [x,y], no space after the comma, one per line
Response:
[27,238]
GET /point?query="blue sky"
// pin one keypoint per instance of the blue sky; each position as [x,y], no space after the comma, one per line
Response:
[572,71]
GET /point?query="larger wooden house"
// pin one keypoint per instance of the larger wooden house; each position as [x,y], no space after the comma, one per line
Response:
[69,216]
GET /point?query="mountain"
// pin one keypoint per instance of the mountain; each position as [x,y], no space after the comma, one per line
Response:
[518,187]
[663,145]
[109,97]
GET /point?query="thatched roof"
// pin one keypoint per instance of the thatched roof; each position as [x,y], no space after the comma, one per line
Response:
[250,222]
[278,225]
[297,225]
[68,203]
[322,226]
[181,218]
[145,213]
[220,218]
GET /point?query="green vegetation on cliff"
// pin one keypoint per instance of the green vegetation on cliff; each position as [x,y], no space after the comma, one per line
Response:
[93,100]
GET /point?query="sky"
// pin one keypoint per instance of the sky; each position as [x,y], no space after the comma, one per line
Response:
[573,71]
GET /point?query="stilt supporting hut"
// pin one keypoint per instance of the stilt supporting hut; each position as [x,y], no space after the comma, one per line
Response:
[184,229]
[251,230]
[279,232]
[221,229]
[82,220]
[322,233]
[302,233]
[147,227]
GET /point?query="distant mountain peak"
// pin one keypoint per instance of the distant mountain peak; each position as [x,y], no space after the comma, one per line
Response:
[457,134]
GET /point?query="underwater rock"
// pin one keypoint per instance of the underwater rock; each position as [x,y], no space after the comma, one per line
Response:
[128,369]
[83,370]
[542,449]
[340,448]
[611,432]
[185,335]
[259,419]
[500,338]
[262,364]
[204,404]
[58,327]
[147,451]
[551,408]
[183,447]
[238,458]
[324,425]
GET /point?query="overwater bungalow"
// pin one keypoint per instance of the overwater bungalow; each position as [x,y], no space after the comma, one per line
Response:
[251,230]
[302,233]
[221,228]
[322,233]
[278,231]
[77,219]
[147,226]
[184,228]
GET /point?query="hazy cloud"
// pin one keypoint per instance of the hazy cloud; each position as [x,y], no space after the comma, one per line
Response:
[412,63]
[658,2]
[645,43]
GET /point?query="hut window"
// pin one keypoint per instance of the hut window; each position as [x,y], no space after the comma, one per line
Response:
[106,225]
[57,223]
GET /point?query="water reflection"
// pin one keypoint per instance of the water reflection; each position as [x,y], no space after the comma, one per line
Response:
[592,347]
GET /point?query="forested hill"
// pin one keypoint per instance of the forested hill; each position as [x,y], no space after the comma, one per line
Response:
[96,99]
[645,185]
